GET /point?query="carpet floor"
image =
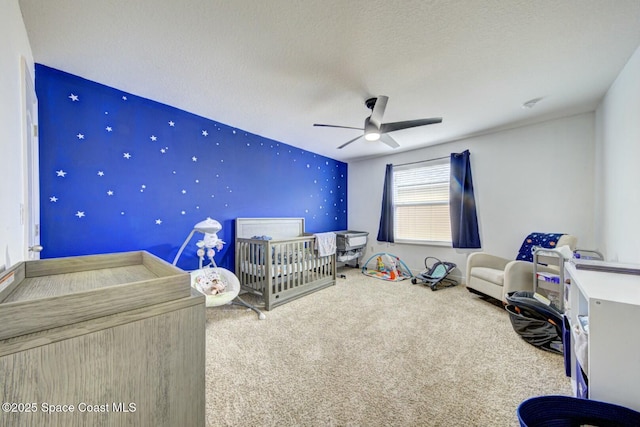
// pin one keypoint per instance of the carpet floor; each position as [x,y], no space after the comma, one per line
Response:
[367,352]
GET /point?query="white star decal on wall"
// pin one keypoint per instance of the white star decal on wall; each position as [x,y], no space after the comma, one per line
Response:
[100,173]
[53,199]
[194,158]
[110,193]
[153,138]
[205,133]
[74,97]
[158,221]
[61,173]
[184,191]
[80,136]
[109,129]
[126,155]
[171,123]
[80,214]
[124,98]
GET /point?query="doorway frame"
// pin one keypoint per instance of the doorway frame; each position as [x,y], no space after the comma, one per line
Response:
[30,209]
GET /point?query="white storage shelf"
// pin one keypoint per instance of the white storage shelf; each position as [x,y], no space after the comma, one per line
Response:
[548,283]
[611,302]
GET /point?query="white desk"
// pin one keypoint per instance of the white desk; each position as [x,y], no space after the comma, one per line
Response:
[612,303]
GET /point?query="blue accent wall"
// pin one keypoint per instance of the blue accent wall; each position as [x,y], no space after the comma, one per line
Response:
[119,172]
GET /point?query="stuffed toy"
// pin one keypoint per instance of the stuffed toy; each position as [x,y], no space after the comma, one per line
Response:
[209,283]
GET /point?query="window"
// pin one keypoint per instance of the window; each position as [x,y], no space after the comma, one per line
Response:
[421,202]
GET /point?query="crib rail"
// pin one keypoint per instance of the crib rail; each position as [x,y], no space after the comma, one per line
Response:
[282,270]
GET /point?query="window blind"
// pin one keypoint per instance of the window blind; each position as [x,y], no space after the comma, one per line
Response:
[421,202]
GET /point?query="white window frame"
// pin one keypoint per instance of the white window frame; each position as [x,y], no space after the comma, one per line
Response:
[430,173]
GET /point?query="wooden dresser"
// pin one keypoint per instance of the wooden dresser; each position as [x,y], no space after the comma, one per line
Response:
[109,340]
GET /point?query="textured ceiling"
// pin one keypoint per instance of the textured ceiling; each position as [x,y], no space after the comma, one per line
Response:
[275,67]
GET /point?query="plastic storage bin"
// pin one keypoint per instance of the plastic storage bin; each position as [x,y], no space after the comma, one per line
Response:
[552,411]
[566,345]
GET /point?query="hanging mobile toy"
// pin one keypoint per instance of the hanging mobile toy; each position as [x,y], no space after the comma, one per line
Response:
[209,228]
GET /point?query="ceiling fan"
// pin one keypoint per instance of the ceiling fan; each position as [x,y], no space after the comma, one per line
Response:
[375,130]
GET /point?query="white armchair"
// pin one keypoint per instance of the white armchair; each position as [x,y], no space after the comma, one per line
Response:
[495,276]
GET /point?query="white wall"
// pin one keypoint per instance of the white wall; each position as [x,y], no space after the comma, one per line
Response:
[533,178]
[13,46]
[618,146]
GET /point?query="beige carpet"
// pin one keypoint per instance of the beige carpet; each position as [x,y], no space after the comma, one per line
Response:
[372,353]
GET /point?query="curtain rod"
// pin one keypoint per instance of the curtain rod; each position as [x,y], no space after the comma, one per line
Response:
[424,161]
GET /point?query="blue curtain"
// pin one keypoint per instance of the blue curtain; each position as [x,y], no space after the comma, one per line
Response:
[385,232]
[462,204]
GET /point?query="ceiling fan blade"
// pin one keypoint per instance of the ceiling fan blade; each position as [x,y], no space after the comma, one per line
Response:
[378,110]
[390,127]
[349,142]
[389,141]
[336,126]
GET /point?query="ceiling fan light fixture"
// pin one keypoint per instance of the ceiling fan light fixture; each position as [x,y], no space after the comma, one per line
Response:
[371,131]
[372,136]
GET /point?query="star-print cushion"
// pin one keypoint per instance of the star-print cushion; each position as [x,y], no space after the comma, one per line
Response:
[534,240]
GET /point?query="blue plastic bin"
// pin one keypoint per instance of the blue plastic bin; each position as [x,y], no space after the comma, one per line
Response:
[560,411]
[566,345]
